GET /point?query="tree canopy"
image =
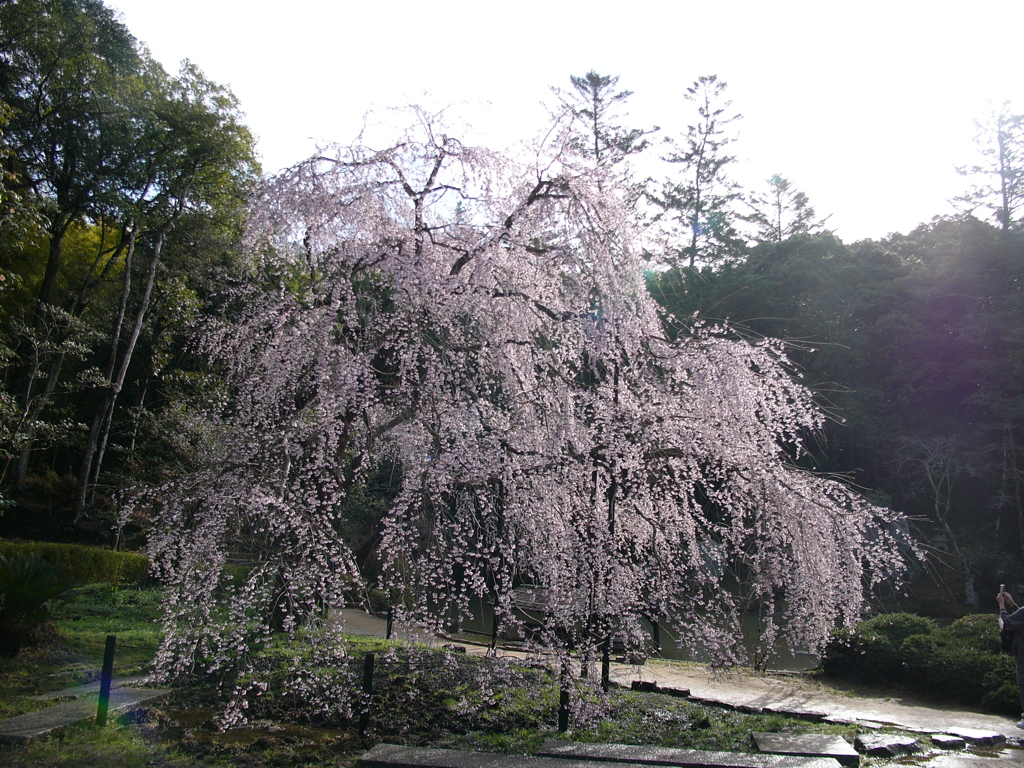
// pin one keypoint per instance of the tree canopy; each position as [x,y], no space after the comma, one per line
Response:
[106,154]
[485,325]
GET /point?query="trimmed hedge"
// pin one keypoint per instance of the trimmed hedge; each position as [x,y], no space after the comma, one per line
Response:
[961,662]
[84,565]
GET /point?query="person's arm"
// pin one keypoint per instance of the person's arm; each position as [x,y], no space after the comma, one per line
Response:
[1014,620]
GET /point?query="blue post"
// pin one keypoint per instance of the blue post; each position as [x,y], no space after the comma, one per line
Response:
[105,679]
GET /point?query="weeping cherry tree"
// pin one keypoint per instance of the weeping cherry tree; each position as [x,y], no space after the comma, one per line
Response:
[483,323]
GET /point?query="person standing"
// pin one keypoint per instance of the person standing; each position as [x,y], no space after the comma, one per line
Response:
[1014,622]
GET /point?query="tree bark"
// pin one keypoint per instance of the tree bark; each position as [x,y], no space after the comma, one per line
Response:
[92,441]
[110,401]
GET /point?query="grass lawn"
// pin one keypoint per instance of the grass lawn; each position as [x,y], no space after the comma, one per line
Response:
[70,652]
[422,697]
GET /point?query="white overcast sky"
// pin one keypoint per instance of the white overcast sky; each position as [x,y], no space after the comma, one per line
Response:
[866,106]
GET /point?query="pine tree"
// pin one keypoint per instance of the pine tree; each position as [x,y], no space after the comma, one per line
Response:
[702,199]
[592,107]
[783,212]
[999,175]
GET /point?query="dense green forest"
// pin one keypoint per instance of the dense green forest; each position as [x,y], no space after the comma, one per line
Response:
[124,196]
[914,345]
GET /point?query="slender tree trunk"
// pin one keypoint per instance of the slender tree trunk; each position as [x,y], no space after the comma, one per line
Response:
[32,414]
[118,382]
[34,403]
[613,491]
[499,533]
[99,417]
[138,410]
[53,262]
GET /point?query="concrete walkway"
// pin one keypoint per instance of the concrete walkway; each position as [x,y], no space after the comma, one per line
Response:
[82,706]
[789,694]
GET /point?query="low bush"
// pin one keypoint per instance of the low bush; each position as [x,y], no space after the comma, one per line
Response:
[961,662]
[872,650]
[84,565]
[27,586]
[897,627]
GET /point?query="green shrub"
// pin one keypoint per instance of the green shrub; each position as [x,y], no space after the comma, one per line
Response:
[872,650]
[843,653]
[864,654]
[27,585]
[84,565]
[979,631]
[1005,698]
[897,627]
[961,662]
[919,651]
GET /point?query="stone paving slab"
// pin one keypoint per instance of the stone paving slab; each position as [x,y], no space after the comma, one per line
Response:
[808,745]
[394,756]
[840,720]
[978,736]
[623,753]
[24,728]
[948,741]
[886,745]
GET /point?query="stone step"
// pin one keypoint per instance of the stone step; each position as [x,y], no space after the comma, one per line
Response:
[575,755]
[395,756]
[977,736]
[948,741]
[33,725]
[807,745]
[623,753]
[886,745]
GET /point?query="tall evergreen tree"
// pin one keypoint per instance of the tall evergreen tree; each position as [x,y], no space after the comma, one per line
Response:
[115,154]
[783,212]
[998,176]
[593,106]
[701,200]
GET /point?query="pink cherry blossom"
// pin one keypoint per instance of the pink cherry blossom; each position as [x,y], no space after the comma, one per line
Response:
[484,324]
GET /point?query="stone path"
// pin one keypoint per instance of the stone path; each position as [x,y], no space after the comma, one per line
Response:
[78,691]
[396,756]
[83,705]
[789,694]
[797,696]
[669,756]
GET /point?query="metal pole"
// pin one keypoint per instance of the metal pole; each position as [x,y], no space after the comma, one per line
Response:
[364,718]
[105,680]
[606,665]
